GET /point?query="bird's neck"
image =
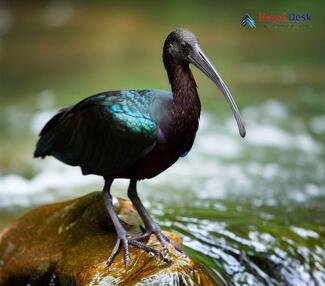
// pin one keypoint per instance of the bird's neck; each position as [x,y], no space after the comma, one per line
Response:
[186,107]
[186,99]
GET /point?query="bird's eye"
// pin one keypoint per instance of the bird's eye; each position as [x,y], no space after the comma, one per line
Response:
[183,45]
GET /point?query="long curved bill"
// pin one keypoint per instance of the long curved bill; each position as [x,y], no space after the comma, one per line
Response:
[198,58]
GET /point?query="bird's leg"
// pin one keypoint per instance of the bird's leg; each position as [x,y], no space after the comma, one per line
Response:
[122,237]
[150,225]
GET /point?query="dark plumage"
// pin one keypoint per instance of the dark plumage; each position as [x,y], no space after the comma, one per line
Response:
[135,134]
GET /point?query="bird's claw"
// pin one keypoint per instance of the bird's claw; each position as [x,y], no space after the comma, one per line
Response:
[125,242]
[163,239]
[116,249]
[137,241]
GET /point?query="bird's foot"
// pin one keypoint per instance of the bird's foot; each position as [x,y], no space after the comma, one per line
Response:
[163,240]
[124,242]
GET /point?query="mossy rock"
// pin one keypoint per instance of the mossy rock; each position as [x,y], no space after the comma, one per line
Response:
[68,244]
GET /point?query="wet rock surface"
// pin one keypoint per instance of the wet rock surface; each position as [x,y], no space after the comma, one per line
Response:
[68,244]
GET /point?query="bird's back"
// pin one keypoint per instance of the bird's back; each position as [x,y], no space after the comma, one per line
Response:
[107,133]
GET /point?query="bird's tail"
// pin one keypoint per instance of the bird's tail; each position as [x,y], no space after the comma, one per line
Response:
[44,146]
[46,141]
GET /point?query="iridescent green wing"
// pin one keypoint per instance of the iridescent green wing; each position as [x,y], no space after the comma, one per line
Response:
[104,134]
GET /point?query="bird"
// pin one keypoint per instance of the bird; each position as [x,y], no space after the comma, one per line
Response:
[136,134]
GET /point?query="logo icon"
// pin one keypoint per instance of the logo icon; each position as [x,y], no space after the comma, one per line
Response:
[248,21]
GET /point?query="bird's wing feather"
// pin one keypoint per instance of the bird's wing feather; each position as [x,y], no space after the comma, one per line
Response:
[104,133]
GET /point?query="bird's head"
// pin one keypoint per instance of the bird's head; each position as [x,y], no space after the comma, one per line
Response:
[182,48]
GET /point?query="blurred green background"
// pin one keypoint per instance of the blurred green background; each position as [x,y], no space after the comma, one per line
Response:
[251,211]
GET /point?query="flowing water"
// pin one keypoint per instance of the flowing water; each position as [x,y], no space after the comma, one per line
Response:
[251,210]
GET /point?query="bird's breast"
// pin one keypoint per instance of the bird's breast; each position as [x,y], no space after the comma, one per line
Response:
[175,141]
[182,130]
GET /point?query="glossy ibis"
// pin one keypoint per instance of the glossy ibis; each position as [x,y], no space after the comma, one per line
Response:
[135,134]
